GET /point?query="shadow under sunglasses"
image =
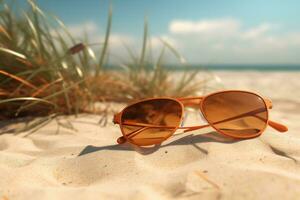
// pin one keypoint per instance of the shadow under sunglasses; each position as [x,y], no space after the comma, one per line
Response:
[191,139]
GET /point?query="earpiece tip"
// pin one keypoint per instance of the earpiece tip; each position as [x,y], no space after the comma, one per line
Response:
[279,127]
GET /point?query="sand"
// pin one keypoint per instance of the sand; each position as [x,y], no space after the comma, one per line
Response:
[86,163]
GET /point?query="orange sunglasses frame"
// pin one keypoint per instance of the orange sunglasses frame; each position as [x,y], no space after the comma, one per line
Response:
[268,104]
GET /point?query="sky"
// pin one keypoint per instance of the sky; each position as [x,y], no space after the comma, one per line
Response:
[203,31]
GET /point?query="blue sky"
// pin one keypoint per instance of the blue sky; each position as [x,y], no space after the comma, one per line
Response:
[204,31]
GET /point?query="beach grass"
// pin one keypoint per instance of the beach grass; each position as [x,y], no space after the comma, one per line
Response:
[45,71]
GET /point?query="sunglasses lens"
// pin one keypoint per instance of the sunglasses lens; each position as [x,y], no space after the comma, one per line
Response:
[237,114]
[151,121]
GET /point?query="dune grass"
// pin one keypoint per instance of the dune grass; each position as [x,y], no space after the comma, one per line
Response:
[45,71]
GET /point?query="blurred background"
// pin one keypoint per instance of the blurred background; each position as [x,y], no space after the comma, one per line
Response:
[64,57]
[224,34]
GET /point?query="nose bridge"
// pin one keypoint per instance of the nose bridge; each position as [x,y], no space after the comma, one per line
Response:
[192,102]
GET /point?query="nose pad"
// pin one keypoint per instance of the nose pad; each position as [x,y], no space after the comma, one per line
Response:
[183,120]
[193,111]
[202,118]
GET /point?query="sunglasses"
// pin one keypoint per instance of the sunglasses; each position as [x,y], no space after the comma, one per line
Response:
[237,114]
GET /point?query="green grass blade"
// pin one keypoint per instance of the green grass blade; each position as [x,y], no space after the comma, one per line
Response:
[37,100]
[145,38]
[105,44]
[53,95]
[14,53]
[181,59]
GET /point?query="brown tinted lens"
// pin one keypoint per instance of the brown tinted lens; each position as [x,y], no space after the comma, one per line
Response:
[163,115]
[238,114]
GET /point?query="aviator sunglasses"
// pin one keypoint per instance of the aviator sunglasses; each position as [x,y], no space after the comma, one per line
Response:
[237,114]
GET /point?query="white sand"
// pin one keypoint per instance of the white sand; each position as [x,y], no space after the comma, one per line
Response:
[88,164]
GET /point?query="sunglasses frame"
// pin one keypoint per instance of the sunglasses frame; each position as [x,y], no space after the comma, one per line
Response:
[171,134]
[267,103]
[237,136]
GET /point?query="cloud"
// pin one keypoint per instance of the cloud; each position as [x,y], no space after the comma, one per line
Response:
[120,44]
[215,26]
[120,40]
[257,31]
[96,35]
[79,30]
[223,40]
[228,40]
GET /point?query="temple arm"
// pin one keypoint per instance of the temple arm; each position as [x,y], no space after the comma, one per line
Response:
[277,126]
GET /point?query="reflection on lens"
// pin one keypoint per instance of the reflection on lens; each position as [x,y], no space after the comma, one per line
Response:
[235,113]
[163,115]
